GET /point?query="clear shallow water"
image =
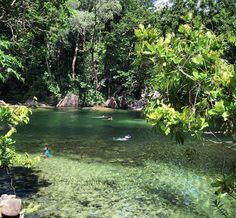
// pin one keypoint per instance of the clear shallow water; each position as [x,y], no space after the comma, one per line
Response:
[90,175]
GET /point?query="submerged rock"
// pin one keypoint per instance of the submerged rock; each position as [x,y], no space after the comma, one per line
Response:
[70,100]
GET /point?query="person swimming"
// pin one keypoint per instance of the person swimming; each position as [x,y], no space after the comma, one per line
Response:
[101,117]
[46,153]
[125,138]
[108,118]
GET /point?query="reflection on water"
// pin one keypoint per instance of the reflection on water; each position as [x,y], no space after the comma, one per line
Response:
[90,175]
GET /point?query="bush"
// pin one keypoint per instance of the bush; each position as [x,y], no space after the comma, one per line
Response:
[91,97]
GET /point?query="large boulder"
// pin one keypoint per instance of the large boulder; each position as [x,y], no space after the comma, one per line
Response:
[10,206]
[2,103]
[70,100]
[111,103]
[31,102]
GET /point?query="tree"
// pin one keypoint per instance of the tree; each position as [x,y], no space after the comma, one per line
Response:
[123,73]
[10,117]
[196,82]
[26,25]
[9,65]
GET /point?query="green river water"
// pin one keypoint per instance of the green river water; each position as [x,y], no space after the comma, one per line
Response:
[92,176]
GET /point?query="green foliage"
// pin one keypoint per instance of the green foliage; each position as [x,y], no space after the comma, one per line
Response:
[94,41]
[9,65]
[26,27]
[91,97]
[125,75]
[10,117]
[52,85]
[31,208]
[224,186]
[195,81]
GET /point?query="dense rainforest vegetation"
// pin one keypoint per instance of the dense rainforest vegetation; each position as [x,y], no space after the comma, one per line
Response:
[84,47]
[50,48]
[187,54]
[97,49]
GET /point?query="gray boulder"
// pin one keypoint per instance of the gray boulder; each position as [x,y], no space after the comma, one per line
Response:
[111,103]
[70,100]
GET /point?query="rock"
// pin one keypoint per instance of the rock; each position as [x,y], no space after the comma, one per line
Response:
[139,104]
[31,102]
[156,95]
[111,103]
[42,105]
[10,206]
[70,100]
[2,103]
[122,102]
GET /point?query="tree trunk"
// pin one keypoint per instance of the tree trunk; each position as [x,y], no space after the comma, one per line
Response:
[47,61]
[93,61]
[75,55]
[94,67]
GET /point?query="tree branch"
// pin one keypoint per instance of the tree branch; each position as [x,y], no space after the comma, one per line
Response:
[181,70]
[13,2]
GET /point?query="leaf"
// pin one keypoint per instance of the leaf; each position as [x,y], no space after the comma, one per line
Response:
[188,16]
[185,28]
[195,74]
[10,132]
[198,59]
[219,106]
[218,183]
[141,26]
[225,115]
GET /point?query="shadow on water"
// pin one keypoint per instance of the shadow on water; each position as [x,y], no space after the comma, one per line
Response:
[173,197]
[25,182]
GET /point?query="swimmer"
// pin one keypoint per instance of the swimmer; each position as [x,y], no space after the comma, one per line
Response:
[46,153]
[101,117]
[125,138]
[128,137]
[109,118]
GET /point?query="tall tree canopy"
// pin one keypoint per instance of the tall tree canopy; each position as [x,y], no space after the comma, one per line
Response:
[193,76]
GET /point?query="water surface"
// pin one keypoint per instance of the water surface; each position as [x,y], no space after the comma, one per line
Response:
[90,175]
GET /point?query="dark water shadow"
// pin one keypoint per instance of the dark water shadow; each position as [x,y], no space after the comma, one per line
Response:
[25,182]
[174,198]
